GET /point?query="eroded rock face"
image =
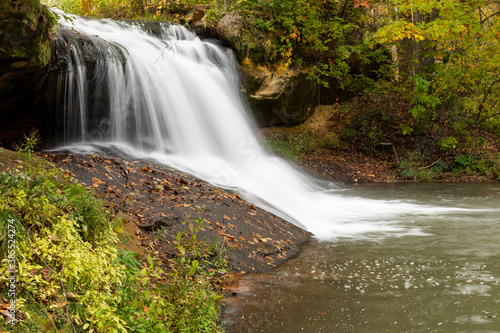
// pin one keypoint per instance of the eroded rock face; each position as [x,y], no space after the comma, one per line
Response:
[24,32]
[280,97]
[24,54]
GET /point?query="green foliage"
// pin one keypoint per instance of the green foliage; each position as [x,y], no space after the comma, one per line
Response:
[413,167]
[55,259]
[212,16]
[463,160]
[483,164]
[199,264]
[69,6]
[423,103]
[454,64]
[68,265]
[292,145]
[448,143]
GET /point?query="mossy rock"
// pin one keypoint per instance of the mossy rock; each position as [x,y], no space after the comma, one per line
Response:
[24,32]
[25,27]
[24,45]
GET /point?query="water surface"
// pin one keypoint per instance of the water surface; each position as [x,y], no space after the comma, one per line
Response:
[444,278]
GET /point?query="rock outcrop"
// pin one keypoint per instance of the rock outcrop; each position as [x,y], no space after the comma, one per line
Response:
[24,54]
[279,97]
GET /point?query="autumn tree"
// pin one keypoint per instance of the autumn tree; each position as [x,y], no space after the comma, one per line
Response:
[453,61]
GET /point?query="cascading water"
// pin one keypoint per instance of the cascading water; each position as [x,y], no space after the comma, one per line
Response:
[175,98]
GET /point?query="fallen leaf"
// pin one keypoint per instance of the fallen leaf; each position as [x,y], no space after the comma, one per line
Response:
[71,296]
[61,305]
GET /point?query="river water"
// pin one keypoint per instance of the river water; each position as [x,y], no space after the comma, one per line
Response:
[444,278]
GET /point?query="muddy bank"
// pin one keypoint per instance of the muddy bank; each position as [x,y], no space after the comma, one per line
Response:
[158,199]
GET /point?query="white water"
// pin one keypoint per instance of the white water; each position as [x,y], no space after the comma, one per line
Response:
[176,100]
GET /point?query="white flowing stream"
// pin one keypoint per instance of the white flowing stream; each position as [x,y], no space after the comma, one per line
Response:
[176,100]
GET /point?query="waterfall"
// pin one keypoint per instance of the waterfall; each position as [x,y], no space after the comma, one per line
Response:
[175,98]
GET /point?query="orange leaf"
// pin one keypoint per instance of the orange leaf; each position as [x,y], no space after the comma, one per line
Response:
[61,305]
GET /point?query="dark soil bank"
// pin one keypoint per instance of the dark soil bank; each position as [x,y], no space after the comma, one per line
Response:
[160,199]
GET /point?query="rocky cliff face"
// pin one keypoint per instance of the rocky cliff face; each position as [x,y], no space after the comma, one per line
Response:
[278,95]
[24,54]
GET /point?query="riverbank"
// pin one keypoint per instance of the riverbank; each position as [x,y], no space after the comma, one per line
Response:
[335,142]
[161,202]
[64,268]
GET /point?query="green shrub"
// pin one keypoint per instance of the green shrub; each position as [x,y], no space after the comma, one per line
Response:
[292,145]
[71,277]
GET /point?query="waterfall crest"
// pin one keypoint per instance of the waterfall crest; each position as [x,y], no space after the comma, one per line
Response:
[175,98]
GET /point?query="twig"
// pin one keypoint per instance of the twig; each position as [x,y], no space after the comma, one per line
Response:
[428,166]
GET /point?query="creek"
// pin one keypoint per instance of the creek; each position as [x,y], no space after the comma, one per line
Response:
[445,279]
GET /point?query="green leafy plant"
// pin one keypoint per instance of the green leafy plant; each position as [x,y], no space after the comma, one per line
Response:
[485,164]
[292,145]
[413,167]
[448,143]
[70,275]
[423,103]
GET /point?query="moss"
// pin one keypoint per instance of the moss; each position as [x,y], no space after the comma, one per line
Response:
[24,32]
